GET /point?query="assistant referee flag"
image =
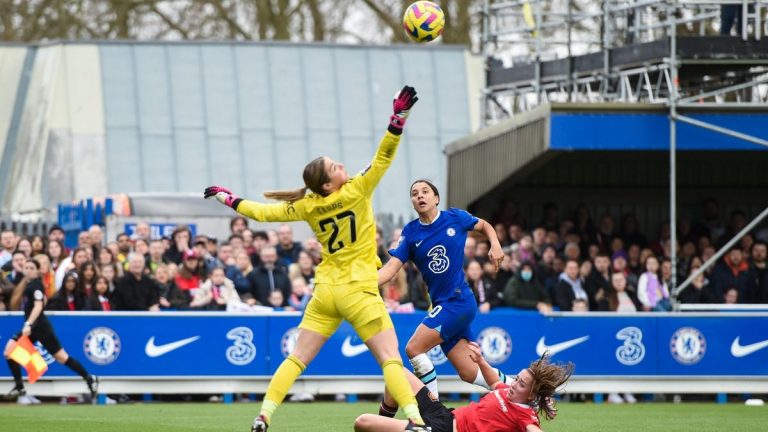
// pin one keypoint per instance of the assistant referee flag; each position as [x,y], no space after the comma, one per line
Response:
[26,355]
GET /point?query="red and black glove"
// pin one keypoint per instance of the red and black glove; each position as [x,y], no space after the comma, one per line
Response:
[401,106]
[223,195]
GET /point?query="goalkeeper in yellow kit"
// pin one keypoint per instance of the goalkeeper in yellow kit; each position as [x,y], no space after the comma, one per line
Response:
[340,212]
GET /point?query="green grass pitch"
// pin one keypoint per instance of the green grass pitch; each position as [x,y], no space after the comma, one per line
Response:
[330,416]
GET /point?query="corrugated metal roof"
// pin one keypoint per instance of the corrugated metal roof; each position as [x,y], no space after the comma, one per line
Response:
[479,162]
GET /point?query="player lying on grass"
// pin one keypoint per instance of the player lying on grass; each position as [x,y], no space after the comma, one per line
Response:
[507,408]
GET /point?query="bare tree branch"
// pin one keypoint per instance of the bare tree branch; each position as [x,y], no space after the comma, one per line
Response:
[233,25]
[171,23]
[388,20]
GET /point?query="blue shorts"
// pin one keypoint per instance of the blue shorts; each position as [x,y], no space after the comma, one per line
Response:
[453,319]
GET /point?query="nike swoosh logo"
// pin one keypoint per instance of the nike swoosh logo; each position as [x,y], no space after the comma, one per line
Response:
[738,350]
[542,347]
[153,350]
[418,243]
[349,350]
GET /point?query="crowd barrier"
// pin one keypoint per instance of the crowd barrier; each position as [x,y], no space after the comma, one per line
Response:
[210,352]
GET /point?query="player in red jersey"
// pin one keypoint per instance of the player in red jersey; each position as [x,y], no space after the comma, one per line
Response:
[508,408]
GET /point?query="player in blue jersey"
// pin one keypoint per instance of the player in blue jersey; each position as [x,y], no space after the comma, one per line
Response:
[435,243]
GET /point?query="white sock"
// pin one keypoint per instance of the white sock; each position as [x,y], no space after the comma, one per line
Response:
[480,380]
[425,370]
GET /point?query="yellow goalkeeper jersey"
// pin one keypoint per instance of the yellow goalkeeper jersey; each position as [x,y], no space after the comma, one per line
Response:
[343,221]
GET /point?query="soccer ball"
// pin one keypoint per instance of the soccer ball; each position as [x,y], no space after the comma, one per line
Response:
[423,21]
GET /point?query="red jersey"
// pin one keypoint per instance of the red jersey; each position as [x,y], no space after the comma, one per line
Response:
[495,413]
[186,284]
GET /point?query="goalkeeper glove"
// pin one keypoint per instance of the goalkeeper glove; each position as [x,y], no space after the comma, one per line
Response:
[223,195]
[401,106]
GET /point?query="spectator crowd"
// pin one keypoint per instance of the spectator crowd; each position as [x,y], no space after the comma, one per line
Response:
[573,263]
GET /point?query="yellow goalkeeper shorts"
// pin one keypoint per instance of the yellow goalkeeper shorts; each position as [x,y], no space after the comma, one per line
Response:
[358,303]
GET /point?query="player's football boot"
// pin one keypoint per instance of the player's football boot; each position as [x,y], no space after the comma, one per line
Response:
[412,426]
[93,387]
[16,392]
[260,424]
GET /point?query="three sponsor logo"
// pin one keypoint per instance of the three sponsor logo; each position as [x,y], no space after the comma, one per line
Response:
[242,351]
[632,351]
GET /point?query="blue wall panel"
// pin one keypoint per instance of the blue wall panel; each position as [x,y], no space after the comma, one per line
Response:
[124,160]
[260,158]
[320,103]
[452,107]
[228,166]
[289,151]
[186,82]
[353,80]
[193,164]
[420,72]
[254,87]
[220,90]
[119,86]
[158,163]
[153,90]
[289,119]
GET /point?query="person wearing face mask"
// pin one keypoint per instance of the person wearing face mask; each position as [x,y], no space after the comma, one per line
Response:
[525,290]
[507,408]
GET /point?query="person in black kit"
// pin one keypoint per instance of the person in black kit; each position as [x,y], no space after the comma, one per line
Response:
[38,328]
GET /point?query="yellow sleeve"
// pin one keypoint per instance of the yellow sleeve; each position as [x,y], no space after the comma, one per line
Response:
[383,158]
[277,212]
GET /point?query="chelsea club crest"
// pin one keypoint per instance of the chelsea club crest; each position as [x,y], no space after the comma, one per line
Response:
[437,356]
[288,341]
[496,344]
[102,345]
[688,345]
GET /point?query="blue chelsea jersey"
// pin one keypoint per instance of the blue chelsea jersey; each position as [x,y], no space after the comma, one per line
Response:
[437,250]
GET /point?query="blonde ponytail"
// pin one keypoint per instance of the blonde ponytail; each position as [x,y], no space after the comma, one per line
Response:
[290,195]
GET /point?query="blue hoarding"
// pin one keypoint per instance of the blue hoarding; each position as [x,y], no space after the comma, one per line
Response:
[622,131]
[222,344]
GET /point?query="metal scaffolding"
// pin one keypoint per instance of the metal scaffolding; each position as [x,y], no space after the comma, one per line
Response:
[629,51]
[540,35]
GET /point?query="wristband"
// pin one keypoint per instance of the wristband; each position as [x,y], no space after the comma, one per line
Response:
[396,124]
